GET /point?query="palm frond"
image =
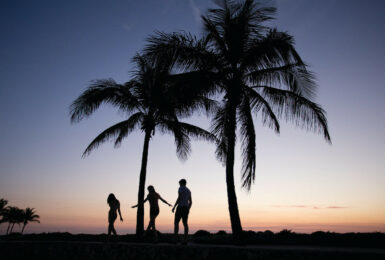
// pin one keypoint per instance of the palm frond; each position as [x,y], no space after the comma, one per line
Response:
[186,50]
[213,35]
[276,49]
[218,128]
[247,132]
[182,140]
[297,109]
[197,132]
[131,123]
[119,130]
[258,103]
[102,91]
[294,77]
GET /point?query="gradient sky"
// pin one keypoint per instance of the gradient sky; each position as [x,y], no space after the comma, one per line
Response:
[51,50]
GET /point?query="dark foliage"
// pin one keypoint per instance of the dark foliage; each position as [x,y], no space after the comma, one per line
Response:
[202,233]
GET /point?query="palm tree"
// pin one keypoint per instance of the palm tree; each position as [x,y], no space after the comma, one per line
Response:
[151,102]
[29,215]
[256,70]
[3,203]
[13,215]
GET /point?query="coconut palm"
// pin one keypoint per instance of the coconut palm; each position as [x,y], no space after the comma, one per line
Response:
[256,70]
[13,215]
[151,102]
[29,215]
[3,203]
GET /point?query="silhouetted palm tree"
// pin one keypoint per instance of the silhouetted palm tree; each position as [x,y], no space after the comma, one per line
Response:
[256,70]
[151,102]
[13,215]
[29,215]
[3,203]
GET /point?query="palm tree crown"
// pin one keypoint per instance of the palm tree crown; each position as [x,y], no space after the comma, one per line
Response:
[152,102]
[29,215]
[12,215]
[257,72]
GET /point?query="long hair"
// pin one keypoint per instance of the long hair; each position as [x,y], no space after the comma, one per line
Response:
[111,198]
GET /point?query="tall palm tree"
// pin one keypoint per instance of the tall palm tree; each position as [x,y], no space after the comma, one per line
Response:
[151,102]
[29,215]
[256,70]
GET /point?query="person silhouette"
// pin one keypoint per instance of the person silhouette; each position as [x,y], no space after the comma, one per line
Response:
[184,202]
[153,198]
[114,206]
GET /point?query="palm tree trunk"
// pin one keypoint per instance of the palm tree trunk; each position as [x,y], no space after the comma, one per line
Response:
[12,227]
[142,182]
[231,196]
[9,225]
[22,230]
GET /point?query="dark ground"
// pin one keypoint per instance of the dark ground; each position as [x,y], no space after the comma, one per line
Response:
[267,238]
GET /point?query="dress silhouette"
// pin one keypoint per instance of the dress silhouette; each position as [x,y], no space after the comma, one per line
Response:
[112,215]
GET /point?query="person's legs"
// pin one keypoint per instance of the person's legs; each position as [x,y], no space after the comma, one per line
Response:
[184,214]
[185,227]
[111,219]
[151,224]
[113,230]
[154,232]
[109,229]
[154,212]
[178,216]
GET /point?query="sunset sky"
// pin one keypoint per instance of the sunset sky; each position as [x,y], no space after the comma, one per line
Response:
[51,50]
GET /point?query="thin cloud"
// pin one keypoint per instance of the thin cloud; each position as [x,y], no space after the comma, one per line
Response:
[337,207]
[309,207]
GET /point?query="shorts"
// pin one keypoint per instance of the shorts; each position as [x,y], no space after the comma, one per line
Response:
[182,213]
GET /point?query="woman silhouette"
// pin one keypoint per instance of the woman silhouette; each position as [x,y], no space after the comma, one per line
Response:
[153,198]
[114,206]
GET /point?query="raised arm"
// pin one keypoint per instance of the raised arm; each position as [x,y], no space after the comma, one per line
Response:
[164,200]
[137,204]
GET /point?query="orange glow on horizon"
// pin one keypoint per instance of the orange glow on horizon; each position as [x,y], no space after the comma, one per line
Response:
[300,221]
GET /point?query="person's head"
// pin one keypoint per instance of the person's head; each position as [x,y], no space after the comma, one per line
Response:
[111,198]
[182,182]
[151,189]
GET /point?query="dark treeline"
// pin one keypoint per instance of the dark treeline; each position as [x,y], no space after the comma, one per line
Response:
[284,237]
[13,215]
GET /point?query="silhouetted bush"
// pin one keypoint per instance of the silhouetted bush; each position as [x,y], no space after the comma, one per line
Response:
[221,233]
[202,233]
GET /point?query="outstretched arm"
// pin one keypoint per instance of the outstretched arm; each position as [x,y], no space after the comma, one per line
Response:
[176,202]
[137,204]
[120,214]
[164,201]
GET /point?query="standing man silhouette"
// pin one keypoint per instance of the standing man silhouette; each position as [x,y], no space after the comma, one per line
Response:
[184,203]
